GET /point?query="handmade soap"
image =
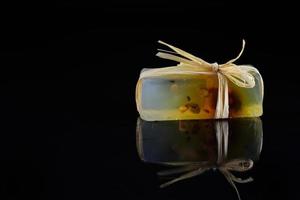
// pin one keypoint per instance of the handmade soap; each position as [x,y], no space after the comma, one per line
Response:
[196,89]
[194,96]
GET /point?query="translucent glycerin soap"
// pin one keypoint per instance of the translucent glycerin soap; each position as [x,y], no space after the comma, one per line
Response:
[194,96]
[196,89]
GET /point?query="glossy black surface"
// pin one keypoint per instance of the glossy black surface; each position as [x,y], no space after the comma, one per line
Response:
[190,141]
[67,82]
[191,148]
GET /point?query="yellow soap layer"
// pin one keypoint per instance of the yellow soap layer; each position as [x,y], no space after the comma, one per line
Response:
[159,115]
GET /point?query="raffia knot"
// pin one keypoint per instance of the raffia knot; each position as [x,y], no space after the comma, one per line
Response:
[215,67]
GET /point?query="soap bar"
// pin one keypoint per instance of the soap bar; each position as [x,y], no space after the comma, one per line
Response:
[194,96]
[193,141]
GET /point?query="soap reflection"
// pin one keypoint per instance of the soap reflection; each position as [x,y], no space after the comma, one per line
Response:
[195,146]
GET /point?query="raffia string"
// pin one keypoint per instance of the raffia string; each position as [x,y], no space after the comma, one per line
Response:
[240,75]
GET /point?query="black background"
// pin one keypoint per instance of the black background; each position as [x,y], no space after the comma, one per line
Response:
[68,73]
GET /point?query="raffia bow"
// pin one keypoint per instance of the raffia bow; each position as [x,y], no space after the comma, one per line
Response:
[240,75]
[222,164]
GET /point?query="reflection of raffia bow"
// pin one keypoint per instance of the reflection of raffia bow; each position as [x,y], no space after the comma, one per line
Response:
[224,166]
[199,168]
[240,75]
